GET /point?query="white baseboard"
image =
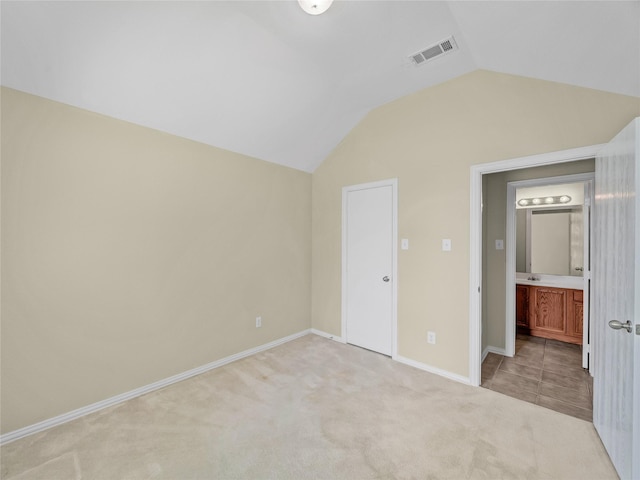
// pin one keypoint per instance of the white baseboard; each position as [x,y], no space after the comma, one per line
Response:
[406,361]
[435,370]
[489,349]
[94,407]
[328,335]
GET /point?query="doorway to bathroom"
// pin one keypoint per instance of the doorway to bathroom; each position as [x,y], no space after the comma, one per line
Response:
[536,286]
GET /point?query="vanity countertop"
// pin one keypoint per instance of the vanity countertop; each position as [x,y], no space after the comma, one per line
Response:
[541,280]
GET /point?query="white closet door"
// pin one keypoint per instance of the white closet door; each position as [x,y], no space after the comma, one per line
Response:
[369,267]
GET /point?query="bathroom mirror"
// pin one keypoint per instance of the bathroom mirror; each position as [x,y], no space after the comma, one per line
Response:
[550,240]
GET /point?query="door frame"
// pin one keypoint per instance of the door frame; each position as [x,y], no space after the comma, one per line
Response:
[475,234]
[510,253]
[393,183]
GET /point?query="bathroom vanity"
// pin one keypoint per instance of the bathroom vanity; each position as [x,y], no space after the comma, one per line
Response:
[549,309]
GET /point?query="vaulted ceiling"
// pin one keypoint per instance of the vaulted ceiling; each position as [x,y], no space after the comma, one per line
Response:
[265,79]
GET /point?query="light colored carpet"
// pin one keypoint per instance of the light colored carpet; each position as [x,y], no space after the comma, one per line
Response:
[314,408]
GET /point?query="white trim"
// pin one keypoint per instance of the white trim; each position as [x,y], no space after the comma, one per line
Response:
[635,445]
[560,179]
[123,397]
[527,231]
[437,371]
[475,276]
[330,336]
[394,294]
[393,183]
[587,356]
[475,236]
[510,248]
[551,158]
[404,360]
[510,253]
[498,351]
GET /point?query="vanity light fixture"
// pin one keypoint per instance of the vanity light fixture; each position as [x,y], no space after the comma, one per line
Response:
[546,201]
[315,7]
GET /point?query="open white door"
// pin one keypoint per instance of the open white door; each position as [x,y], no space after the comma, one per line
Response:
[616,300]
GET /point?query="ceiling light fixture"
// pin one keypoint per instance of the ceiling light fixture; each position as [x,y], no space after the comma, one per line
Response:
[315,7]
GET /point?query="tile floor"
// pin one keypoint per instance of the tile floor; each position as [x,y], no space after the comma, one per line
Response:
[545,372]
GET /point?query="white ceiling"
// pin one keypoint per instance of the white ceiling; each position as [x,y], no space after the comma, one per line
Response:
[265,79]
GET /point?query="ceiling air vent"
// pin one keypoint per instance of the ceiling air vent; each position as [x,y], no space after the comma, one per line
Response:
[440,48]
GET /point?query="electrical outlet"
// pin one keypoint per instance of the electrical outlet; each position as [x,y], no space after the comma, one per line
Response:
[431,338]
[258,322]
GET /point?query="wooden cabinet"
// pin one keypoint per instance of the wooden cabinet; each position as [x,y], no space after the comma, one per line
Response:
[522,306]
[551,312]
[574,314]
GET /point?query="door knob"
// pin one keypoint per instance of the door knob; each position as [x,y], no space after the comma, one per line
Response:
[385,279]
[617,325]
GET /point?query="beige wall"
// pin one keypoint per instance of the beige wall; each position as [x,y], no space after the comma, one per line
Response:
[429,140]
[129,255]
[494,214]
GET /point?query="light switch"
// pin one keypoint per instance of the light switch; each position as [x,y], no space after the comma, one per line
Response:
[499,244]
[446,244]
[404,244]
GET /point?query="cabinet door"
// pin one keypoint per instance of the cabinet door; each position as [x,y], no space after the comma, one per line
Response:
[522,306]
[574,314]
[548,311]
[556,313]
